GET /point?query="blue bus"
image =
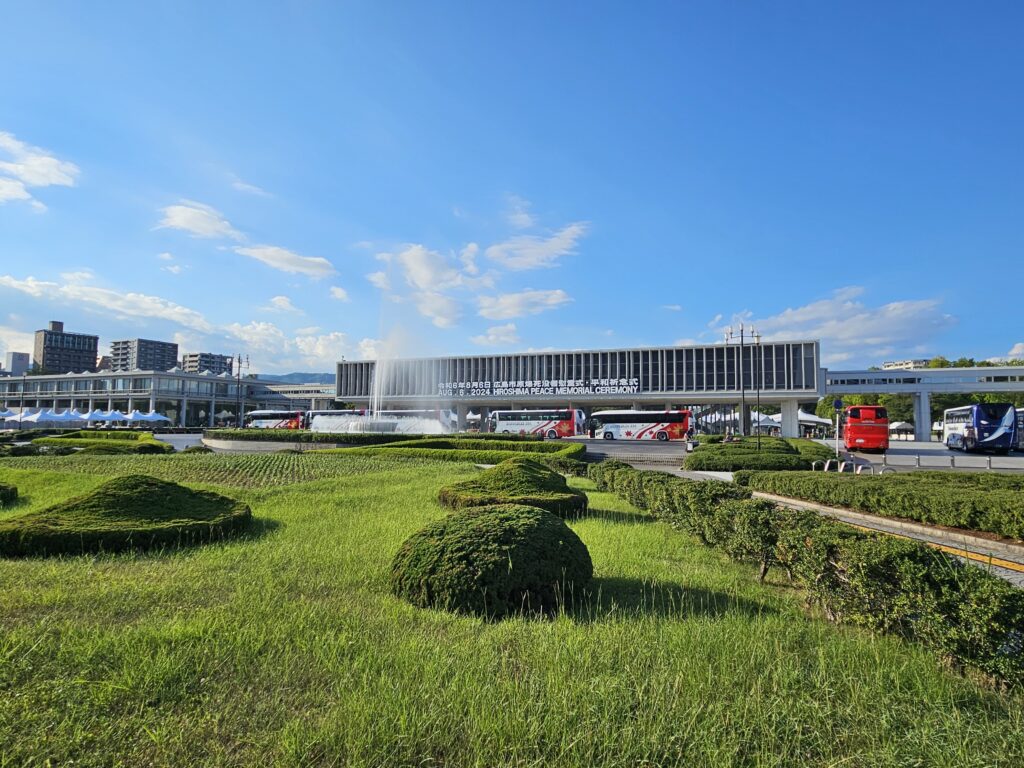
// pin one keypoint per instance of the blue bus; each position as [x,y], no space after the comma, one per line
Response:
[980,427]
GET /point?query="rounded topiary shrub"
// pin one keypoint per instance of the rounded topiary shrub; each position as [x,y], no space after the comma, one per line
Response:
[516,481]
[8,495]
[493,561]
[131,512]
[197,449]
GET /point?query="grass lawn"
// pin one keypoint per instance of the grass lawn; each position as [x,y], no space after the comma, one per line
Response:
[285,647]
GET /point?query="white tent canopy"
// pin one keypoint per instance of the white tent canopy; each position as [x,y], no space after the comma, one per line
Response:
[804,418]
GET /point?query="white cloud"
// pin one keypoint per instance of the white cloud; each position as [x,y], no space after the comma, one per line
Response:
[81,276]
[530,251]
[370,349]
[308,330]
[685,342]
[12,189]
[427,270]
[250,189]
[165,256]
[13,340]
[850,330]
[498,335]
[174,269]
[339,293]
[507,306]
[443,311]
[1017,351]
[380,280]
[273,349]
[672,307]
[119,303]
[199,220]
[468,258]
[287,261]
[714,321]
[282,304]
[23,166]
[519,215]
[321,350]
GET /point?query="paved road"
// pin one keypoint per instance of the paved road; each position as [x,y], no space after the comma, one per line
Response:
[910,454]
[669,453]
[180,441]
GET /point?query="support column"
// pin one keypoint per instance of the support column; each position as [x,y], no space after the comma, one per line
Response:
[922,417]
[485,415]
[152,402]
[213,409]
[790,418]
[460,414]
[92,405]
[110,404]
[184,411]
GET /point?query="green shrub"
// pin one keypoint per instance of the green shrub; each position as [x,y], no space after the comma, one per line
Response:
[597,472]
[130,512]
[516,481]
[100,434]
[565,466]
[493,561]
[117,447]
[8,495]
[455,449]
[196,449]
[885,584]
[974,501]
[731,461]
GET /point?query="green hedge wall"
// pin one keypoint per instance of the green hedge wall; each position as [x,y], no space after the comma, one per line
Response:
[882,583]
[974,501]
[101,434]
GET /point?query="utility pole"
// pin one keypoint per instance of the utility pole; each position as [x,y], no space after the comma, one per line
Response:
[239,415]
[21,410]
[730,336]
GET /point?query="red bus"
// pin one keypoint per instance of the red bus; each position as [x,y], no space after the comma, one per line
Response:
[563,422]
[866,428]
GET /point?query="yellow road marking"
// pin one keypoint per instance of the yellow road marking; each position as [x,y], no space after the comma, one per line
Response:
[990,560]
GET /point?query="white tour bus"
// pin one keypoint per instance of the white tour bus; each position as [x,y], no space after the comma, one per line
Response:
[641,425]
[274,419]
[563,422]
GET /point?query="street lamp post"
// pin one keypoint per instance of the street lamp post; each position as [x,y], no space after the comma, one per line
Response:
[730,336]
[240,401]
[757,381]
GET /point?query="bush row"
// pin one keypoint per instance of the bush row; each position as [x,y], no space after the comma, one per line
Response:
[882,583]
[104,434]
[8,495]
[346,438]
[981,502]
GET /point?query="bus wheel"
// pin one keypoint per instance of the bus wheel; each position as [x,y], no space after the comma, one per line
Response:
[609,436]
[663,436]
[967,444]
[552,434]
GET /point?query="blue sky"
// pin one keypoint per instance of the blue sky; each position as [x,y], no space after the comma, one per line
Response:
[304,181]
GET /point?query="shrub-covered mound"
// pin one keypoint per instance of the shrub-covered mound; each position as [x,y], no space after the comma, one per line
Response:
[493,561]
[517,481]
[130,512]
[8,495]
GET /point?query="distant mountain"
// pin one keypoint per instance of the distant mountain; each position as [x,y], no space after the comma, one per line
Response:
[299,378]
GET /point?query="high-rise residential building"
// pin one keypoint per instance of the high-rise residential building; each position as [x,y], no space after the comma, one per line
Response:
[17,363]
[197,362]
[143,354]
[58,351]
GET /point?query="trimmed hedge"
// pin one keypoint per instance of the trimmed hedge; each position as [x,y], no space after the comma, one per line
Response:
[776,454]
[130,512]
[882,583]
[516,481]
[346,438]
[101,434]
[196,449]
[8,495]
[554,455]
[108,443]
[974,501]
[493,561]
